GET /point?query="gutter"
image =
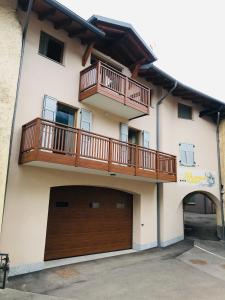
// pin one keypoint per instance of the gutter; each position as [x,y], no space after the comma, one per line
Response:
[24,34]
[221,187]
[157,148]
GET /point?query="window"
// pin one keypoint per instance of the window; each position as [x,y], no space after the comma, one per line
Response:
[133,135]
[85,119]
[94,205]
[55,111]
[184,111]
[187,155]
[51,47]
[120,205]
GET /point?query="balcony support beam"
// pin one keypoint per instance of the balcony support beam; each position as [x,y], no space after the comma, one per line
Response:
[135,71]
[87,53]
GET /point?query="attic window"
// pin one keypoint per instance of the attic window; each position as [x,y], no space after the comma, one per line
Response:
[184,111]
[51,47]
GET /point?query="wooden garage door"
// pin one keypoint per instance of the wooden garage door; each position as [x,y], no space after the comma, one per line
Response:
[85,220]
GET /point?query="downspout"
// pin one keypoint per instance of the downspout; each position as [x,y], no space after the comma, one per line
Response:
[221,188]
[157,148]
[24,34]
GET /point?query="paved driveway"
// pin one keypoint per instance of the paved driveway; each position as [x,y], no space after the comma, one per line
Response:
[153,274]
[200,226]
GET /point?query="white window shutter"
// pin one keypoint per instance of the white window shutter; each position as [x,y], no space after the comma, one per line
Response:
[190,155]
[187,154]
[86,120]
[146,139]
[49,108]
[124,132]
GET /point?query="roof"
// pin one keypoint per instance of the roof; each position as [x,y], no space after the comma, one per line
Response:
[122,42]
[64,18]
[159,77]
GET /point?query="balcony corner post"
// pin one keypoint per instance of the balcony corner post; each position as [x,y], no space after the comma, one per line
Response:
[78,148]
[21,145]
[175,167]
[157,164]
[136,160]
[98,75]
[37,135]
[110,156]
[126,83]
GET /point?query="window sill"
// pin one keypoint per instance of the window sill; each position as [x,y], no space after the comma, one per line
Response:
[61,64]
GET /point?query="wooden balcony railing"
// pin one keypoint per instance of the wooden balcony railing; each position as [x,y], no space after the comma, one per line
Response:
[100,78]
[43,140]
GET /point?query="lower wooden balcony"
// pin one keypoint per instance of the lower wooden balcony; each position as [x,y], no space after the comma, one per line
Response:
[53,143]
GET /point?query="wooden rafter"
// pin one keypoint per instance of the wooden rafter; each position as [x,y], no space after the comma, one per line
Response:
[63,23]
[46,13]
[77,32]
[87,53]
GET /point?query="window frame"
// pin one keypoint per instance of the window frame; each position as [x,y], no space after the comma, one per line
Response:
[61,62]
[179,105]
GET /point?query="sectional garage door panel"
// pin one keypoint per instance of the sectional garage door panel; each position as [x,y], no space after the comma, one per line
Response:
[86,220]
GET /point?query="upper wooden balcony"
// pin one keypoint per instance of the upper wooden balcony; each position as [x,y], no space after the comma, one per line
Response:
[110,90]
[49,144]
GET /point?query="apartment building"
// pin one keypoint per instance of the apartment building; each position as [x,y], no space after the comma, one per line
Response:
[105,145]
[10,42]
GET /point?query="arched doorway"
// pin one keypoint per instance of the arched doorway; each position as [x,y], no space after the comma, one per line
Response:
[200,216]
[86,220]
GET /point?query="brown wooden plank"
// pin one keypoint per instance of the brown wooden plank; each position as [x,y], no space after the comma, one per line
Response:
[79,229]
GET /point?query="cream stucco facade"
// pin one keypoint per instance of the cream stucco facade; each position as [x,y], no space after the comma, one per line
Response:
[26,208]
[198,132]
[10,43]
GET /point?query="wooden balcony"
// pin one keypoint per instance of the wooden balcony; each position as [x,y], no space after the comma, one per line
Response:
[49,144]
[110,90]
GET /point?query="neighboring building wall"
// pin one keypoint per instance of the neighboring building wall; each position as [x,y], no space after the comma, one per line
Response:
[199,203]
[10,45]
[222,149]
[198,132]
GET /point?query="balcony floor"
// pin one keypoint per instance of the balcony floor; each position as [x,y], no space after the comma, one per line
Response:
[56,161]
[109,104]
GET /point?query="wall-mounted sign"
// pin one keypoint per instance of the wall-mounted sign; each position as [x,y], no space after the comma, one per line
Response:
[197,178]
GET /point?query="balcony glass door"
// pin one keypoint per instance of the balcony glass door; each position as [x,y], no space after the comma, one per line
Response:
[64,138]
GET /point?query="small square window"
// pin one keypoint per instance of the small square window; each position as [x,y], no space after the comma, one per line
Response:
[184,111]
[120,205]
[94,205]
[51,47]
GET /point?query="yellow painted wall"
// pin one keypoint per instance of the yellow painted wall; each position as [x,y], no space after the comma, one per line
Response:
[10,45]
